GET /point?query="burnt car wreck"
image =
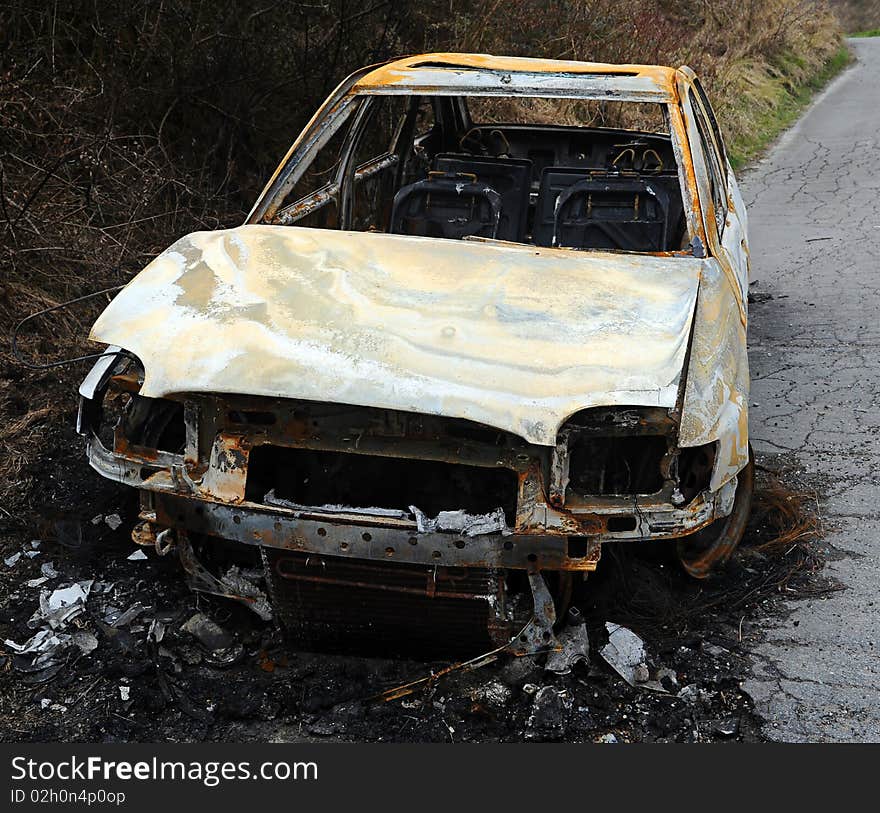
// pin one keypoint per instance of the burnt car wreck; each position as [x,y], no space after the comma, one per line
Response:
[447,357]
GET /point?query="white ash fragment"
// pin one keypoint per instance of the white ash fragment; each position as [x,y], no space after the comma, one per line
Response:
[667,677]
[494,694]
[625,654]
[688,693]
[461,522]
[270,498]
[60,606]
[113,521]
[49,647]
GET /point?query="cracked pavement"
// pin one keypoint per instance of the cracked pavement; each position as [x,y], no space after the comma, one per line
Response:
[814,235]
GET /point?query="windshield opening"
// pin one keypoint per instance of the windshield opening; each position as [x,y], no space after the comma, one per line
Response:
[568,173]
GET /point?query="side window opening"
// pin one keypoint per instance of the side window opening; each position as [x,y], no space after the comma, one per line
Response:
[385,157]
[717,176]
[313,200]
[713,123]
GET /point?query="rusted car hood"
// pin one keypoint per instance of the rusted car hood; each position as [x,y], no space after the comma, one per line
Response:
[516,337]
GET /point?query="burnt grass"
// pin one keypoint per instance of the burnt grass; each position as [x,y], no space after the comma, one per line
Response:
[701,630]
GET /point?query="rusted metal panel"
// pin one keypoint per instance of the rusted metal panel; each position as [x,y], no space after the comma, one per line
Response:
[448,74]
[715,406]
[283,529]
[717,388]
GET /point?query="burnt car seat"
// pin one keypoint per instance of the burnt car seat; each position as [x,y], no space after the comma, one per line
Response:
[509,177]
[606,211]
[446,204]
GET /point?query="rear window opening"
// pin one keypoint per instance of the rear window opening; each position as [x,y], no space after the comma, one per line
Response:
[645,117]
[318,478]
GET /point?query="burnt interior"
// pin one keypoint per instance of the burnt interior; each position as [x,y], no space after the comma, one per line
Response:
[438,174]
[154,423]
[616,465]
[574,207]
[695,466]
[317,478]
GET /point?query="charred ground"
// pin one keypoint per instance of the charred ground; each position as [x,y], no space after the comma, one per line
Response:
[132,687]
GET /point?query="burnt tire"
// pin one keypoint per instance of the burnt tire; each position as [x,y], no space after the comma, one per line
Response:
[708,549]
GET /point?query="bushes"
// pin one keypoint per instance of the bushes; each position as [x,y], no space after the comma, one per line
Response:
[752,55]
[126,123]
[858,15]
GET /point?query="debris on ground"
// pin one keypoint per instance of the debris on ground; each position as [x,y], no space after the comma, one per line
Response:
[726,728]
[219,646]
[113,521]
[194,667]
[494,694]
[126,617]
[48,570]
[549,714]
[625,654]
[244,585]
[575,645]
[61,606]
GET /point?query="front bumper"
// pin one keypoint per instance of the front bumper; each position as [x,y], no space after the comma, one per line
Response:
[202,490]
[170,503]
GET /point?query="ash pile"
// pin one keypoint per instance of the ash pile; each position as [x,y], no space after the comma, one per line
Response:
[103,641]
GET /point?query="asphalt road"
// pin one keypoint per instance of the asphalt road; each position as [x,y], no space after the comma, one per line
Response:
[814,224]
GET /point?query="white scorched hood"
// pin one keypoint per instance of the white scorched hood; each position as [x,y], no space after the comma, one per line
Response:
[516,337]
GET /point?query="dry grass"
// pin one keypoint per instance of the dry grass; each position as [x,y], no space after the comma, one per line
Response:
[857,15]
[777,558]
[787,518]
[754,56]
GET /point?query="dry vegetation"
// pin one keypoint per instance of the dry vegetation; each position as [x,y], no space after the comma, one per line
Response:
[124,125]
[858,15]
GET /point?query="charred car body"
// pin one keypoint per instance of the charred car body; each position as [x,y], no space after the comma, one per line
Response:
[448,356]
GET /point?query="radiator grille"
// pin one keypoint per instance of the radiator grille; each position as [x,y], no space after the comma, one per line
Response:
[378,608]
